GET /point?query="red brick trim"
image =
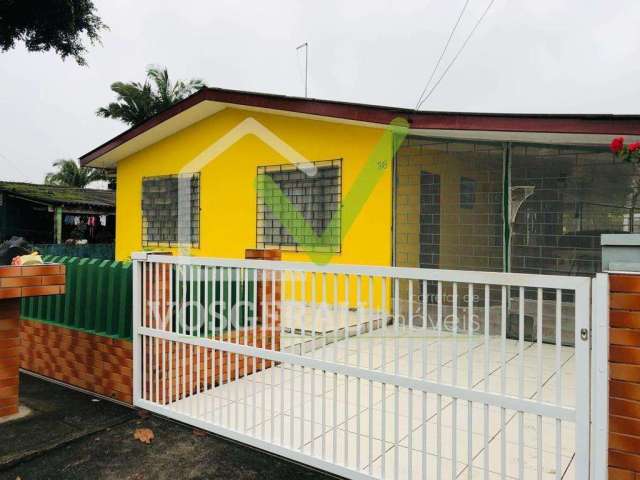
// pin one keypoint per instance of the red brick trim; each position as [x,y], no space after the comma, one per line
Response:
[624,375]
[31,281]
[96,363]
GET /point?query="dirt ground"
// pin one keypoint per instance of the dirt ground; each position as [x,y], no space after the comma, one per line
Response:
[70,435]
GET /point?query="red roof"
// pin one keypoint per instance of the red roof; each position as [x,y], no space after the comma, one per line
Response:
[500,122]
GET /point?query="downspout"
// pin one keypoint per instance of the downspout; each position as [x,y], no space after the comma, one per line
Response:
[394,190]
[506,206]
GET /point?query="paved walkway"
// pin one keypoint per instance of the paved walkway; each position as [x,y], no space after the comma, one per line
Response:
[366,427]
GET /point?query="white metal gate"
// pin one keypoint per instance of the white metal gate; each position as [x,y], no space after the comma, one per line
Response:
[371,372]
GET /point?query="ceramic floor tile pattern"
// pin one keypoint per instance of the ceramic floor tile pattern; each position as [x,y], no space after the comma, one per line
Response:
[383,429]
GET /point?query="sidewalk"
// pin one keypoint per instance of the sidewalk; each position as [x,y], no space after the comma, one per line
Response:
[70,435]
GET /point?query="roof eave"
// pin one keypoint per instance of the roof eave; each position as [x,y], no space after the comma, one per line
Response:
[596,124]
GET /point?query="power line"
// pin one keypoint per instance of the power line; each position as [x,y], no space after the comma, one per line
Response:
[464,44]
[444,50]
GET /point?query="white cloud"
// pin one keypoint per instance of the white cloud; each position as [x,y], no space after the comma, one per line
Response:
[527,56]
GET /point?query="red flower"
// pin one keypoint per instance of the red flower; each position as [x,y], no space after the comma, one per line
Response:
[617,144]
[634,146]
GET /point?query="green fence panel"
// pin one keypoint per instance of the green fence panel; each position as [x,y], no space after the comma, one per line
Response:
[41,302]
[229,288]
[99,293]
[112,298]
[50,300]
[60,299]
[98,298]
[90,295]
[124,300]
[102,280]
[80,294]
[70,292]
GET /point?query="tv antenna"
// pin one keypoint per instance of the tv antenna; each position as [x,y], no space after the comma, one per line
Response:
[305,45]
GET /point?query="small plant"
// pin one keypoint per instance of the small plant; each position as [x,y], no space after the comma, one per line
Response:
[628,153]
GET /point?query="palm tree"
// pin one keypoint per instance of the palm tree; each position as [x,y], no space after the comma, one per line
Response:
[138,101]
[70,174]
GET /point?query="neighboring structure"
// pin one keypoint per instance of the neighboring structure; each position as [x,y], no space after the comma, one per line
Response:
[52,214]
[521,193]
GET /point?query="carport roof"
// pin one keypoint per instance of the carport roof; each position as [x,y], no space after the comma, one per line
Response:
[589,129]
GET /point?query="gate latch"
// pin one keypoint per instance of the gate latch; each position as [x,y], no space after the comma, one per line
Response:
[584,333]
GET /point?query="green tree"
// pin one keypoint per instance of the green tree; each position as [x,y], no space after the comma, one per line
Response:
[61,25]
[138,101]
[70,174]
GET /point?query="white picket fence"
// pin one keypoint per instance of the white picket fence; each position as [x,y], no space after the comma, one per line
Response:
[371,372]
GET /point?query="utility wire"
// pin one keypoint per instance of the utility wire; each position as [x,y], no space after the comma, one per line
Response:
[444,50]
[475,27]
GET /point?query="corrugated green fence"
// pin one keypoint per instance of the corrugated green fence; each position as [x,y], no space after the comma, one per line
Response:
[97,300]
[103,251]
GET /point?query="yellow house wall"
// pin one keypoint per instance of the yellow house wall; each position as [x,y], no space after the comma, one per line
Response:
[227,184]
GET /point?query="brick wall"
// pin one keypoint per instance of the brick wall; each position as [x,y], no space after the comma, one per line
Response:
[624,377]
[99,364]
[9,356]
[179,370]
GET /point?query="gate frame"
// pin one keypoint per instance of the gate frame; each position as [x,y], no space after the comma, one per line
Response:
[591,318]
[599,377]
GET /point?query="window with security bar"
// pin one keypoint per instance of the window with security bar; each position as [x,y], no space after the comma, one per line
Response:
[164,200]
[297,210]
[449,205]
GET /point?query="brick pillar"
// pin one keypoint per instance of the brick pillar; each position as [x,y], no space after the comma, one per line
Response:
[624,377]
[17,282]
[9,355]
[270,304]
[274,255]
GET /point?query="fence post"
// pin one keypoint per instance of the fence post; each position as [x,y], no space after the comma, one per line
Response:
[599,376]
[624,374]
[136,319]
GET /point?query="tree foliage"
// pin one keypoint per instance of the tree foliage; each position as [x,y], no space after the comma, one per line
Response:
[61,25]
[70,174]
[138,101]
